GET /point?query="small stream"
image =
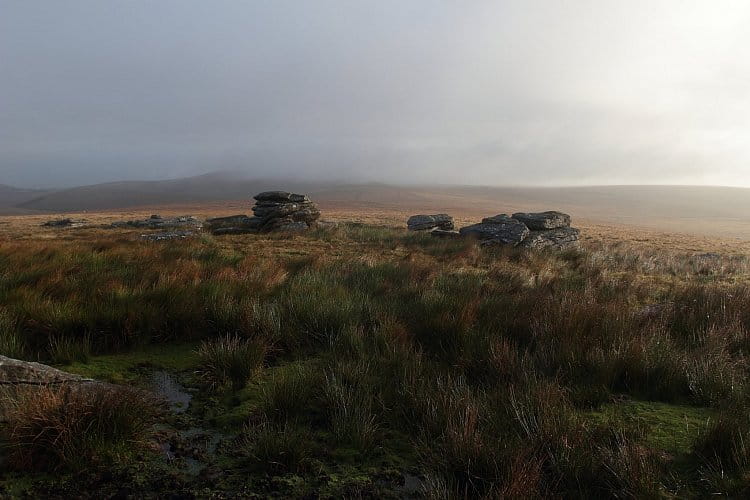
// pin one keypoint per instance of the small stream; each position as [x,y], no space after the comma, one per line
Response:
[164,385]
[193,446]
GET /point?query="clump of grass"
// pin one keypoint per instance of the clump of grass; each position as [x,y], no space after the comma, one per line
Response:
[350,409]
[12,343]
[73,427]
[276,448]
[231,360]
[66,350]
[725,442]
[289,392]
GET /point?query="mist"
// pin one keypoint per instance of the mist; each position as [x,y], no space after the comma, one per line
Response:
[520,93]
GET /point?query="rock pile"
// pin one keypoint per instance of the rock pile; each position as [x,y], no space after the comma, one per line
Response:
[159,222]
[273,211]
[529,230]
[64,223]
[443,222]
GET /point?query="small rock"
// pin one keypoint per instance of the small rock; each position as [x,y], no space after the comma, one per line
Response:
[539,221]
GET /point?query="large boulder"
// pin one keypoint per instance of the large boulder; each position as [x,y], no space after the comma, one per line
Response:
[14,372]
[555,239]
[539,221]
[20,377]
[497,230]
[430,222]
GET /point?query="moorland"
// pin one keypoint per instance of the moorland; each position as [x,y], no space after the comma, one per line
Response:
[360,360]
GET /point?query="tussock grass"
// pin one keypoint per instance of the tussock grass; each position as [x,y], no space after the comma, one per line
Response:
[276,448]
[231,360]
[74,427]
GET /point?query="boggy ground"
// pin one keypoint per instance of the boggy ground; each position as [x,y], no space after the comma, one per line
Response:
[364,361]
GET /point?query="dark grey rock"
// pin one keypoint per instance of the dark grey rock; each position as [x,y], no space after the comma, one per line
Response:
[442,233]
[230,221]
[282,196]
[234,224]
[293,227]
[58,223]
[430,222]
[278,210]
[539,221]
[498,219]
[555,239]
[299,198]
[500,231]
[17,372]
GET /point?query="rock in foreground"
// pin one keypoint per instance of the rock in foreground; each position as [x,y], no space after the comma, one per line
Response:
[430,222]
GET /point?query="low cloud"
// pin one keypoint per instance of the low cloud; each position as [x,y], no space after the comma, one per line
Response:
[500,93]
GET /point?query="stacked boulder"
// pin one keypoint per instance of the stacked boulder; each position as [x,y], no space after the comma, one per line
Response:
[548,230]
[273,211]
[529,230]
[442,222]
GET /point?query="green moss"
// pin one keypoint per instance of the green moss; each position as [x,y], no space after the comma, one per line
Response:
[668,427]
[122,368]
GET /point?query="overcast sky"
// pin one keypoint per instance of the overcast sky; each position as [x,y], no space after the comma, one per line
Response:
[472,92]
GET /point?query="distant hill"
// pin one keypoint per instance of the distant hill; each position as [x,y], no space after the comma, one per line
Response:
[210,187]
[695,209]
[11,197]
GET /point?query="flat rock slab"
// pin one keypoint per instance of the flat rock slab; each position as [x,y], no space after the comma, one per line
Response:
[14,372]
[430,222]
[498,230]
[555,239]
[157,222]
[168,235]
[281,196]
[539,221]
